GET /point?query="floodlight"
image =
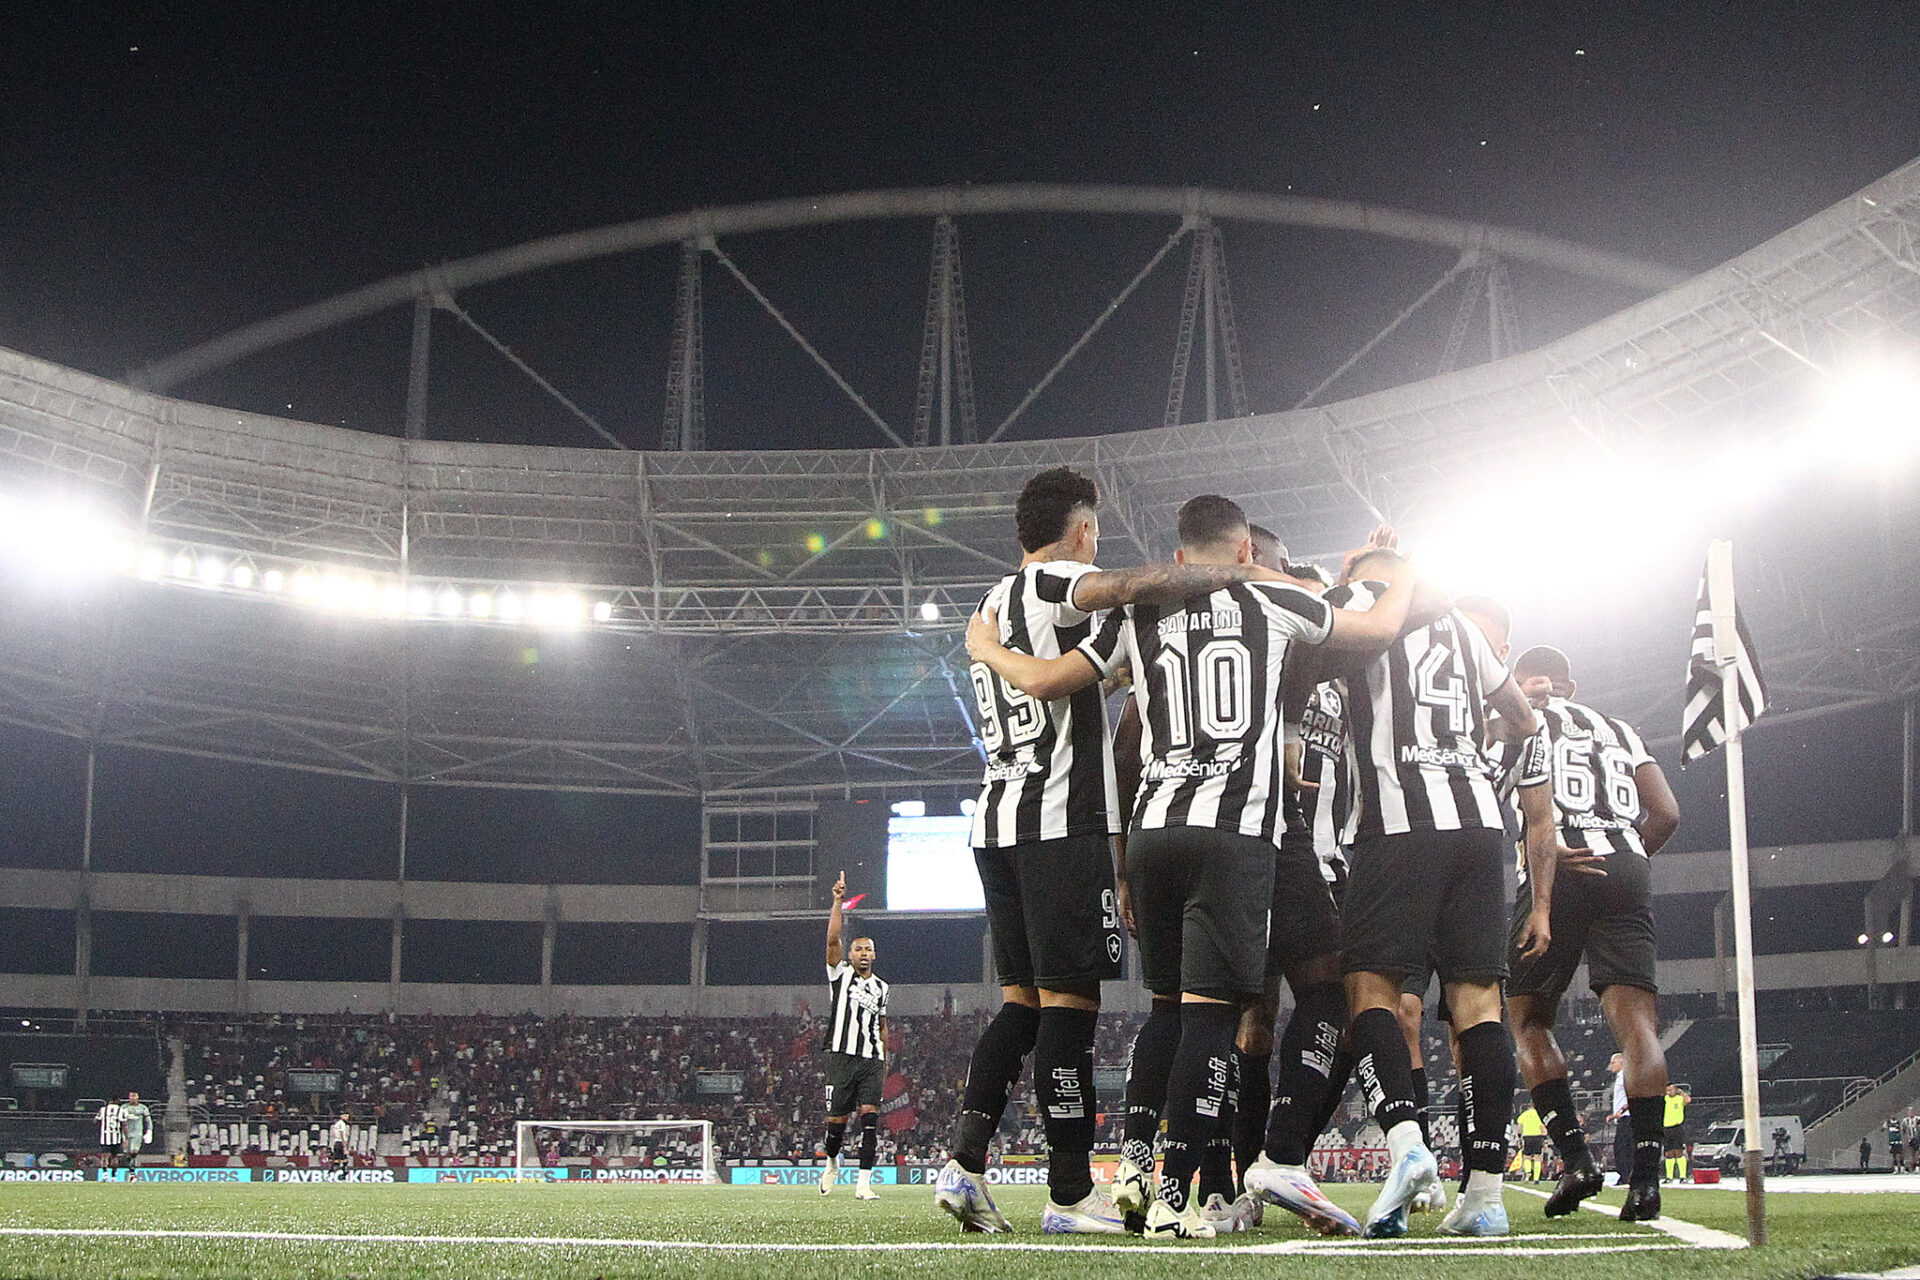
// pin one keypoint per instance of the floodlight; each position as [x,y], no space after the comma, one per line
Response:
[304,585]
[420,602]
[212,572]
[1887,936]
[242,576]
[910,808]
[540,607]
[273,580]
[153,564]
[1873,413]
[508,607]
[570,609]
[602,610]
[182,565]
[448,603]
[1863,939]
[968,806]
[480,605]
[393,601]
[929,611]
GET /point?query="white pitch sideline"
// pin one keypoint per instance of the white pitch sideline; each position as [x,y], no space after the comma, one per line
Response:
[1509,1246]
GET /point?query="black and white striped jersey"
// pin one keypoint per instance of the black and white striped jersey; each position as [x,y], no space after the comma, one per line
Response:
[1417,715]
[1208,673]
[1049,764]
[1321,815]
[858,1005]
[1590,760]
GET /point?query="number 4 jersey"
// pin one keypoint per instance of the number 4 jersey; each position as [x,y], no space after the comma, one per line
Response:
[1208,676]
[1049,764]
[1417,714]
[1590,759]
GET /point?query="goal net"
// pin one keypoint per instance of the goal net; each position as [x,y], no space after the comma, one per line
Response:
[526,1139]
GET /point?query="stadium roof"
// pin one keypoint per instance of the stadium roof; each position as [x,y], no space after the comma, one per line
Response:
[766,613]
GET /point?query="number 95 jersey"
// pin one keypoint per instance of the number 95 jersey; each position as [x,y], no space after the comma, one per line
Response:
[1049,764]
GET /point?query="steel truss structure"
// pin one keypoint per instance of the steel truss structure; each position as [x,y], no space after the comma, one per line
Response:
[769,628]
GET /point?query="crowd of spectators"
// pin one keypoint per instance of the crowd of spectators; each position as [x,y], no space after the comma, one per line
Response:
[452,1088]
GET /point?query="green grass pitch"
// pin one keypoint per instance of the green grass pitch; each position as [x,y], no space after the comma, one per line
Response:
[545,1231]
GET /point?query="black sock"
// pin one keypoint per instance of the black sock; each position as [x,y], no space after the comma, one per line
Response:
[1308,1048]
[1196,1087]
[1063,1082]
[1343,1064]
[1381,1065]
[1553,1099]
[1216,1162]
[1649,1117]
[1147,1069]
[836,1134]
[869,1138]
[1487,1077]
[997,1060]
[1422,1102]
[1250,1114]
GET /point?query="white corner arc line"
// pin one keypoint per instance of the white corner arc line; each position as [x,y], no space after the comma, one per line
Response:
[1690,1232]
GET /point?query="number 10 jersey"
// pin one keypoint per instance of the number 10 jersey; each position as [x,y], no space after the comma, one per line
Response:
[1208,677]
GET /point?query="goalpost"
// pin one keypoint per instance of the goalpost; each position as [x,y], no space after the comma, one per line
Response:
[526,1156]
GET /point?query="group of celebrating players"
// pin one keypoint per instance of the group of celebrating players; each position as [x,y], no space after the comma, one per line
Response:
[1312,781]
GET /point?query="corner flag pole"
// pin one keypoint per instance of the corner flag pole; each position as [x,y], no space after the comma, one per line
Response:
[1725,648]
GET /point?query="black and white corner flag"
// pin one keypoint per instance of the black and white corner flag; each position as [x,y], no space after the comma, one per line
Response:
[1704,725]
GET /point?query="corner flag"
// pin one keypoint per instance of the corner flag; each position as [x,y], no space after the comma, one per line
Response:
[1719,638]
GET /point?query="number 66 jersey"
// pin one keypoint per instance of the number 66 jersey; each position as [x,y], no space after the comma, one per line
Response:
[1590,759]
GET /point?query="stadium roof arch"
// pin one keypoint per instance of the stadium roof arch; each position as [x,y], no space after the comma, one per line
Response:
[791,619]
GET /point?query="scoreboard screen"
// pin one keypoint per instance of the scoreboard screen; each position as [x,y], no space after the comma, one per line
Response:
[930,863]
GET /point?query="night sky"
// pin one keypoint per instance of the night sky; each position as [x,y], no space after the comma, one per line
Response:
[173,172]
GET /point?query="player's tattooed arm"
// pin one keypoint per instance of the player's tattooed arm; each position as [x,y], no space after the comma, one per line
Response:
[1375,628]
[1042,678]
[1162,583]
[1661,811]
[1514,720]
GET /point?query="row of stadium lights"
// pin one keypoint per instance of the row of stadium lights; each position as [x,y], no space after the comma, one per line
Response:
[64,540]
[74,544]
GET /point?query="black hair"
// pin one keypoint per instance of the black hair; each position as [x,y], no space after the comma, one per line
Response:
[1544,660]
[1048,502]
[1386,555]
[1209,520]
[1268,550]
[1487,607]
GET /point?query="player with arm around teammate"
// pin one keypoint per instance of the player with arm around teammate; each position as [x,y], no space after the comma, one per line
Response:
[1200,856]
[1610,810]
[856,1048]
[1043,845]
[1428,885]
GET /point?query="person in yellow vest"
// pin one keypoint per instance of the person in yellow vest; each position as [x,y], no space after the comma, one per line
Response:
[1533,1142]
[1676,1136]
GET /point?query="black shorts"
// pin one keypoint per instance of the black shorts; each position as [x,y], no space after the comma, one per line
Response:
[1607,919]
[1532,1144]
[1428,897]
[856,1082]
[1675,1136]
[1200,903]
[1053,912]
[1303,921]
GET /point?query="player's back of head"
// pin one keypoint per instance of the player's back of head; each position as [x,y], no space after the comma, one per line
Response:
[1268,551]
[1045,508]
[1211,521]
[1544,660]
[1492,617]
